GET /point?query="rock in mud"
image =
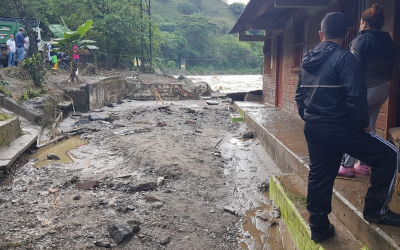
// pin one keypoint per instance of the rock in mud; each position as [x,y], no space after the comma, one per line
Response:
[110,105]
[164,107]
[143,187]
[53,157]
[230,210]
[160,181]
[120,102]
[248,135]
[165,241]
[97,117]
[161,124]
[102,244]
[191,111]
[76,198]
[87,185]
[212,103]
[120,231]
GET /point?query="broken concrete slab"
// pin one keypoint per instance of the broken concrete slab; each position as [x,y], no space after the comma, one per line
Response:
[16,148]
[12,105]
[9,131]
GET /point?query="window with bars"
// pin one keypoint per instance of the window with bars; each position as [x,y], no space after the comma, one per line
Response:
[351,9]
[267,56]
[299,38]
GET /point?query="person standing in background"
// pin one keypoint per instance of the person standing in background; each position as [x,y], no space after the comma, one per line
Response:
[19,43]
[11,51]
[26,46]
[376,53]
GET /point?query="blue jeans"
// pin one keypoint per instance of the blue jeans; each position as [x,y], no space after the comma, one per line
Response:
[11,58]
[20,54]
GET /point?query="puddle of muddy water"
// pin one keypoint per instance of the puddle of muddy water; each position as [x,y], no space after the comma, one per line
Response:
[60,148]
[259,234]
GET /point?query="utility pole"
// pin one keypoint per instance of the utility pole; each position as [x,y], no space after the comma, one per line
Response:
[145,8]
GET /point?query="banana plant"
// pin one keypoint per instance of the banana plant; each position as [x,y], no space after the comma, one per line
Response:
[66,41]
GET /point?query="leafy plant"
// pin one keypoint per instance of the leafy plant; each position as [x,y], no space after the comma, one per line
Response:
[36,68]
[31,93]
[4,83]
[68,39]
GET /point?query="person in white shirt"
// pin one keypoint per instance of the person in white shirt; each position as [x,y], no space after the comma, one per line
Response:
[11,51]
[26,46]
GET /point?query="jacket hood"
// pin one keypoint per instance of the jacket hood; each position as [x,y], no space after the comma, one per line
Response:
[381,36]
[316,57]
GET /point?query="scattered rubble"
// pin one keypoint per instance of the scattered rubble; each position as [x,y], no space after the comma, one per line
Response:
[248,135]
[87,185]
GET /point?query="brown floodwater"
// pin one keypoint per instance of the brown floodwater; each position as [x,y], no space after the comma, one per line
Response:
[60,148]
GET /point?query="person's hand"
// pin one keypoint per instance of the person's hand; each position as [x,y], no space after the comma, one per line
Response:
[368,129]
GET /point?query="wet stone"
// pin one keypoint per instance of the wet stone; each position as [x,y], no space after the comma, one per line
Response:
[53,157]
[165,241]
[120,231]
[76,198]
[120,102]
[212,103]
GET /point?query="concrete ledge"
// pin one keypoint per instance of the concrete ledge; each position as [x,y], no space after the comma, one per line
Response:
[10,104]
[298,228]
[9,131]
[10,153]
[369,234]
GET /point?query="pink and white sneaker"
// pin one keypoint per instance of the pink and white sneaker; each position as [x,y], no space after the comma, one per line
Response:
[361,169]
[347,172]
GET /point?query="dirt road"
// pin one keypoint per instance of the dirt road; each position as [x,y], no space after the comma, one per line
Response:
[204,164]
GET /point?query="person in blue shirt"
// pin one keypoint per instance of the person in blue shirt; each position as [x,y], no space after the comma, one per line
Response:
[19,43]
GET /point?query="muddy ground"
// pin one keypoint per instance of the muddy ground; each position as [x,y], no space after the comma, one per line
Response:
[200,153]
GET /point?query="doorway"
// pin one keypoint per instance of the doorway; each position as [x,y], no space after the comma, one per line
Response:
[279,70]
[393,114]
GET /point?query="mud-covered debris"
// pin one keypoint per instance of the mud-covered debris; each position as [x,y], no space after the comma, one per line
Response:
[212,103]
[263,216]
[230,210]
[217,153]
[272,221]
[191,111]
[87,185]
[97,110]
[198,131]
[97,117]
[190,122]
[275,214]
[120,102]
[123,176]
[248,135]
[120,231]
[165,241]
[161,124]
[160,180]
[143,187]
[53,157]
[110,105]
[114,117]
[77,197]
[125,132]
[263,185]
[102,244]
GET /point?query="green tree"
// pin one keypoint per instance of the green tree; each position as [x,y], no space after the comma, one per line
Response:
[68,39]
[186,8]
[237,9]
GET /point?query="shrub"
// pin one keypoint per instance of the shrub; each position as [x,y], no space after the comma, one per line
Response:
[36,69]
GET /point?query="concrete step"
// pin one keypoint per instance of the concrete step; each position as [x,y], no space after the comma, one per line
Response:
[9,130]
[281,135]
[11,152]
[289,194]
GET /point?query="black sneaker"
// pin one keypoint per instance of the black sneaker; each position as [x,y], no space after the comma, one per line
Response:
[322,234]
[391,219]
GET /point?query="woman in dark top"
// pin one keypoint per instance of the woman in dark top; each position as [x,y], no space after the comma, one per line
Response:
[376,53]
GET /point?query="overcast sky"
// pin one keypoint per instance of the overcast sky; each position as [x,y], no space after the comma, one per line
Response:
[237,1]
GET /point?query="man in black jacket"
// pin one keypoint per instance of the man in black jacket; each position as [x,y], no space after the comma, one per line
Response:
[331,98]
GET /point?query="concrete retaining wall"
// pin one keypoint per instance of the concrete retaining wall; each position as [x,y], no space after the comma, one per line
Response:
[137,90]
[9,131]
[106,91]
[12,105]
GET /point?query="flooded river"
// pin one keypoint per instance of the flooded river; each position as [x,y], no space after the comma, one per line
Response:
[231,83]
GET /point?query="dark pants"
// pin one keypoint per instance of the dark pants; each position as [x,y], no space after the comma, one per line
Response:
[326,144]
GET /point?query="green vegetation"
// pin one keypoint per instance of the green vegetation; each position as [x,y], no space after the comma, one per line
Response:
[36,69]
[3,91]
[4,117]
[193,30]
[31,93]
